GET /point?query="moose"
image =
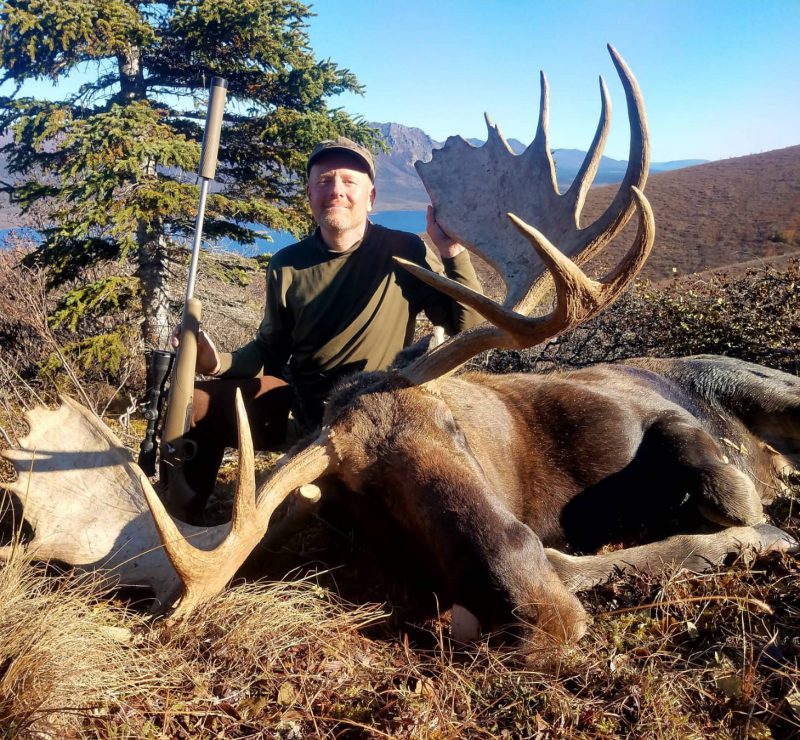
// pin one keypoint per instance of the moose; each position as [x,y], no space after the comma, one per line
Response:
[508,484]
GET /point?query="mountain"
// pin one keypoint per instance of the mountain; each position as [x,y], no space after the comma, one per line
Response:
[399,186]
[397,182]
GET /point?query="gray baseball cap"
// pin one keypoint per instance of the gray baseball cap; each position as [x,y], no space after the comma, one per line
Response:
[346,146]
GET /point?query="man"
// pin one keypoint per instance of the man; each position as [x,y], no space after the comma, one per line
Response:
[336,303]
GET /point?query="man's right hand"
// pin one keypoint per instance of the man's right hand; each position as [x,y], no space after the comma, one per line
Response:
[208,362]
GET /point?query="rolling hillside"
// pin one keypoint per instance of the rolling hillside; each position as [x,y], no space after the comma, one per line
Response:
[722,213]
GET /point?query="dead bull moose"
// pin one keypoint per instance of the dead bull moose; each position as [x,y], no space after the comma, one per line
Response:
[497,479]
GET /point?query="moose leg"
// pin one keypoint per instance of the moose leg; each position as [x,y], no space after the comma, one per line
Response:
[694,552]
[724,494]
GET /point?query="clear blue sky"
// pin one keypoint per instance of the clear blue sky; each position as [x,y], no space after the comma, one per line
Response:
[720,79]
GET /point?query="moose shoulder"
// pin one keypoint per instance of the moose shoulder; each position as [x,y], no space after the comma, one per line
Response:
[505,484]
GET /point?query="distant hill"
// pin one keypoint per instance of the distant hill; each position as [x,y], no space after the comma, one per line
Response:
[397,182]
[739,210]
[399,186]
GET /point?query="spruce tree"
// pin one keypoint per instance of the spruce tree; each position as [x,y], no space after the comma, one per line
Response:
[113,165]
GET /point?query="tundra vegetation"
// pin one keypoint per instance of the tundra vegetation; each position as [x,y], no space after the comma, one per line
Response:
[342,649]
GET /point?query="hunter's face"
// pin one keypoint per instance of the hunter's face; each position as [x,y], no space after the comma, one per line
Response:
[339,192]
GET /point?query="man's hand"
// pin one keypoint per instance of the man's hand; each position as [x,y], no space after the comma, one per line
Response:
[207,362]
[447,246]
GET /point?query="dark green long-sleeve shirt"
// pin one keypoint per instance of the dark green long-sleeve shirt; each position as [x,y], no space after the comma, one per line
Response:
[333,313]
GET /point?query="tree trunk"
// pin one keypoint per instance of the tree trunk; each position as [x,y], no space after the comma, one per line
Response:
[153,246]
[131,76]
[154,270]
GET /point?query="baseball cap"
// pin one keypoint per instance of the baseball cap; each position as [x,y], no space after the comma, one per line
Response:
[344,145]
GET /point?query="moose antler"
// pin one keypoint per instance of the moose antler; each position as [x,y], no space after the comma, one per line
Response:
[205,572]
[471,188]
[81,493]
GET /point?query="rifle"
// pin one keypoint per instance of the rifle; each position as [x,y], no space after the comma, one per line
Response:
[175,450]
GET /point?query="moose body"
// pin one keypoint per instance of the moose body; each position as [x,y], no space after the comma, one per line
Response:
[484,472]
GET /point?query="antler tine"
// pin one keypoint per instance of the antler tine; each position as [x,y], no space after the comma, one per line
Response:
[605,228]
[618,279]
[541,141]
[495,136]
[578,298]
[586,174]
[205,572]
[541,157]
[244,503]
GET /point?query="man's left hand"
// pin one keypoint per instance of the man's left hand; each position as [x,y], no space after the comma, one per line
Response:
[447,246]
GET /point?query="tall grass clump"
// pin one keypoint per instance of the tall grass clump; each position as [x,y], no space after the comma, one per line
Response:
[66,652]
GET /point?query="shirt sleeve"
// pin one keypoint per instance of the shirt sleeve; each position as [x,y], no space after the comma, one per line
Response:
[269,351]
[441,309]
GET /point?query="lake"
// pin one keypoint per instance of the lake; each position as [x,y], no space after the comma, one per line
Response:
[413,221]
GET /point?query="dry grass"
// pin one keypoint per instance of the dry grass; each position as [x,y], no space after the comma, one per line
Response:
[61,652]
[706,656]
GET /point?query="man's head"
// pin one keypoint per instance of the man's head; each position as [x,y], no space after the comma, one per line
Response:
[339,189]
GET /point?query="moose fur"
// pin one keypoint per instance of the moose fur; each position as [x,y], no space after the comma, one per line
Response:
[502,480]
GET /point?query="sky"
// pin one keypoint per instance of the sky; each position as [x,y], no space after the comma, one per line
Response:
[720,79]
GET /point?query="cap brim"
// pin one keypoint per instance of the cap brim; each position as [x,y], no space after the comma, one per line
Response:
[368,166]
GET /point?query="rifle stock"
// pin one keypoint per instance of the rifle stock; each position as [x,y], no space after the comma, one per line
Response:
[175,450]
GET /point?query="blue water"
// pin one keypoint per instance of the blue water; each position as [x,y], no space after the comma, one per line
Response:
[23,232]
[413,221]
